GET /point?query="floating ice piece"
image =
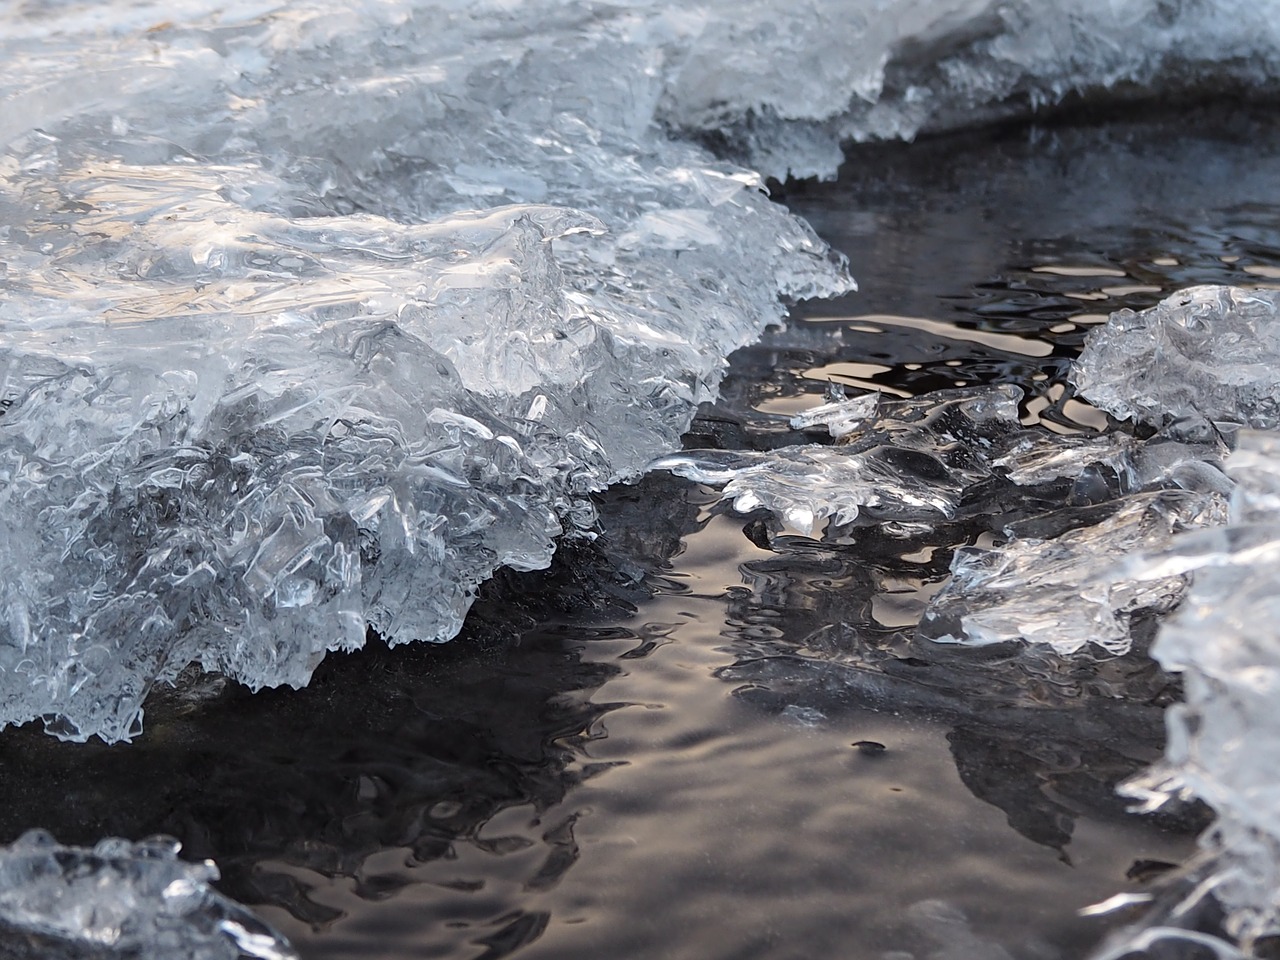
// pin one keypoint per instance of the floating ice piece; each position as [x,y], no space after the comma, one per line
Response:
[122,899]
[904,460]
[807,486]
[1065,592]
[918,459]
[1206,354]
[1224,741]
[1038,459]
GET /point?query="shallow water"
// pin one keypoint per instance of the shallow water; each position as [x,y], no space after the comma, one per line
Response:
[702,736]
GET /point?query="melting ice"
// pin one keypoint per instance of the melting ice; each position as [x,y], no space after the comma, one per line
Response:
[314,316]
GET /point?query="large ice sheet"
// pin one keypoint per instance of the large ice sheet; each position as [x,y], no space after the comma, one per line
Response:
[315,317]
[121,899]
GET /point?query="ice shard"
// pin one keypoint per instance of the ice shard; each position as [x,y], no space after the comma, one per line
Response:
[1064,592]
[121,899]
[902,460]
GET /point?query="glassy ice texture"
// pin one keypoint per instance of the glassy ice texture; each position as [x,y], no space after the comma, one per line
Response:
[121,899]
[314,318]
[925,460]
[900,460]
[1064,592]
[1224,740]
[1206,355]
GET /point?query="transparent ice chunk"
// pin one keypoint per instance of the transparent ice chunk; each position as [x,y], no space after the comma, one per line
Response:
[1206,355]
[1065,592]
[1224,739]
[904,460]
[122,899]
[922,460]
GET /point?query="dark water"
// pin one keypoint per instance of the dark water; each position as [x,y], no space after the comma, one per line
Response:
[702,737]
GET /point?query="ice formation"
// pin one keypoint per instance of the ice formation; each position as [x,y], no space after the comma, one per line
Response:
[926,459]
[1207,355]
[314,317]
[1064,592]
[1199,365]
[122,899]
[902,460]
[1222,741]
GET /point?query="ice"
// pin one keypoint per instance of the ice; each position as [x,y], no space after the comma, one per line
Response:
[1064,592]
[901,460]
[1199,365]
[875,69]
[314,317]
[1224,740]
[928,459]
[1206,356]
[122,899]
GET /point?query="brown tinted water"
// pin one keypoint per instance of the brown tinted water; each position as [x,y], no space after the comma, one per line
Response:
[701,736]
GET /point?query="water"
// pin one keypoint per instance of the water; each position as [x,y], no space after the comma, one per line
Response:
[703,736]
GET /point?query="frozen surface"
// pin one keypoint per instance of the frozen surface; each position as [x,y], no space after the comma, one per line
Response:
[313,319]
[1207,355]
[121,899]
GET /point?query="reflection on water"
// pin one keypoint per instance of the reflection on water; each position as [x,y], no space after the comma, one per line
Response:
[700,735]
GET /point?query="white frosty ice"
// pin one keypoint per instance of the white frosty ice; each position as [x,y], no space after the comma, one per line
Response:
[122,899]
